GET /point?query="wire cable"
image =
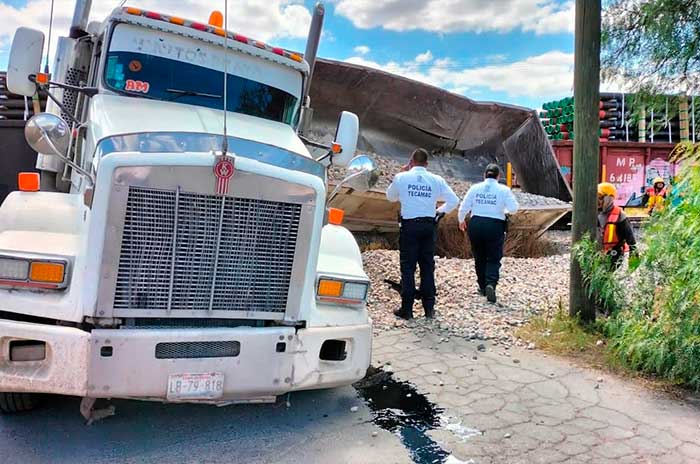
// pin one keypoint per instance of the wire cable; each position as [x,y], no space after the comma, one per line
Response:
[224,145]
[48,47]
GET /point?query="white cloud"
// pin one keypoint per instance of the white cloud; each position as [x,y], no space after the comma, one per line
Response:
[261,19]
[362,49]
[538,16]
[426,57]
[537,76]
[327,36]
[496,58]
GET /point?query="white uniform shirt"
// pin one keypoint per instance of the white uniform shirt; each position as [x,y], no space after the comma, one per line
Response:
[488,199]
[419,191]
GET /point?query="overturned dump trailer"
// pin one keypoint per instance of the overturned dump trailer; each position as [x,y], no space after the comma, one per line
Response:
[398,114]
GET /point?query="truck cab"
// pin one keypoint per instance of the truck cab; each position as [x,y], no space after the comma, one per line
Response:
[179,244]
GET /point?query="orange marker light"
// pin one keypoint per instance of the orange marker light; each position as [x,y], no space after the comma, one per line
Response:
[28,181]
[219,31]
[42,78]
[47,272]
[335,216]
[176,20]
[133,11]
[216,19]
[332,288]
[296,57]
[336,148]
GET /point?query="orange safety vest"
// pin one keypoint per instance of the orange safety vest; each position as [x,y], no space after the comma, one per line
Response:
[656,200]
[610,238]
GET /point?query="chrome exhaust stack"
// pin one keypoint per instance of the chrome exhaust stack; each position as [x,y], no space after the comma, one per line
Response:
[81,14]
[313,40]
[310,57]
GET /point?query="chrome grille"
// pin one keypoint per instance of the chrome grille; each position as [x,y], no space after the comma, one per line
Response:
[169,259]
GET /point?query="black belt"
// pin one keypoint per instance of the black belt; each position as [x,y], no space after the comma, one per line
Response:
[420,219]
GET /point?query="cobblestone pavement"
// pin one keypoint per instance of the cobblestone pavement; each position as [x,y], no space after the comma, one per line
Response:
[535,409]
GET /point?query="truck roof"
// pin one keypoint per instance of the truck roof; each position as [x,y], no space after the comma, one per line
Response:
[210,34]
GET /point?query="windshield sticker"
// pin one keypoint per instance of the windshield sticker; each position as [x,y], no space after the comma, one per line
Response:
[137,86]
[135,66]
[115,72]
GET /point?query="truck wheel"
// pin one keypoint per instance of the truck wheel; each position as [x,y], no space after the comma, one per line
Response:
[17,402]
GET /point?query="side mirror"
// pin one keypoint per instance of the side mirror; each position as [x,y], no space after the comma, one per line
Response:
[48,134]
[346,135]
[25,60]
[362,173]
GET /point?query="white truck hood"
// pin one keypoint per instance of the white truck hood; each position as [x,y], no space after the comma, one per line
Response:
[117,115]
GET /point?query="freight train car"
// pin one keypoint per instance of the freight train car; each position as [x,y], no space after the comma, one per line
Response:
[630,166]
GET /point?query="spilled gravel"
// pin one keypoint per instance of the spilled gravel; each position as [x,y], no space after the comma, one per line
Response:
[529,286]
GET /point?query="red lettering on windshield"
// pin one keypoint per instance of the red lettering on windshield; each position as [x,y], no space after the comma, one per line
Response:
[137,86]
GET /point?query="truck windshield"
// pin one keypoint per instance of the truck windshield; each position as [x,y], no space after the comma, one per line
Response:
[149,76]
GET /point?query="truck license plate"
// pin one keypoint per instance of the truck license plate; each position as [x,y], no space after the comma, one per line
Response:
[195,386]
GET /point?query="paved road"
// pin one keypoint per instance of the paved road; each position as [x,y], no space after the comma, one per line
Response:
[317,428]
[532,409]
[494,409]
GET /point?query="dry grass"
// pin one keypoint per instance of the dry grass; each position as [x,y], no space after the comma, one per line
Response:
[561,335]
[453,243]
[369,241]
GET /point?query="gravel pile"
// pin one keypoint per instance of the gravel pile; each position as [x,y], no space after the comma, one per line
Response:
[528,286]
[388,168]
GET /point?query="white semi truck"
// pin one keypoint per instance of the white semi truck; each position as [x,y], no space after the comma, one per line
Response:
[171,250]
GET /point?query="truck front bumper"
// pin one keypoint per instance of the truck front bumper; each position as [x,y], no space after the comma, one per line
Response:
[124,363]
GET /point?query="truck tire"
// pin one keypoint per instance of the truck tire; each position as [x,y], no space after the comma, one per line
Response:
[17,402]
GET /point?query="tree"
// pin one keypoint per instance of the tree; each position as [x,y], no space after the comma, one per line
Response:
[653,46]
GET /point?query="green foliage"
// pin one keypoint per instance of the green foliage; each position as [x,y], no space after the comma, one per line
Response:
[602,281]
[652,44]
[655,326]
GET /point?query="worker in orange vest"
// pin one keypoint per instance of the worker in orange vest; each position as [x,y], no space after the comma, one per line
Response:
[656,196]
[614,228]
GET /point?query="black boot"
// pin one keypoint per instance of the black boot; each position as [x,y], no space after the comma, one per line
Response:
[402,315]
[491,293]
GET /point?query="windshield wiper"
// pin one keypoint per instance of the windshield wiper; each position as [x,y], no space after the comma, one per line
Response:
[190,93]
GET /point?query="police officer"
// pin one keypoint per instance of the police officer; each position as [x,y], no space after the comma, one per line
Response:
[488,202]
[419,191]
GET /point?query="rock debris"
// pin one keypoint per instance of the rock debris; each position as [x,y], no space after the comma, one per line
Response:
[529,286]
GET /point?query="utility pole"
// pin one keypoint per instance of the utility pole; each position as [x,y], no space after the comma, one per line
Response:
[586,143]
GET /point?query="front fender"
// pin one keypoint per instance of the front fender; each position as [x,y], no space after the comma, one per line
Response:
[42,212]
[339,256]
[339,253]
[46,224]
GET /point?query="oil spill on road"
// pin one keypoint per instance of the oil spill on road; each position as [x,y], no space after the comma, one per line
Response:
[398,407]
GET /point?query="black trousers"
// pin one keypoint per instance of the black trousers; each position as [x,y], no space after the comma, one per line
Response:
[487,237]
[417,246]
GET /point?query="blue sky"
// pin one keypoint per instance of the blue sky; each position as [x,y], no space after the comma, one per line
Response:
[513,51]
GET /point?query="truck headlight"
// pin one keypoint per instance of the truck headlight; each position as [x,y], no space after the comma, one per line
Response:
[339,291]
[40,272]
[14,269]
